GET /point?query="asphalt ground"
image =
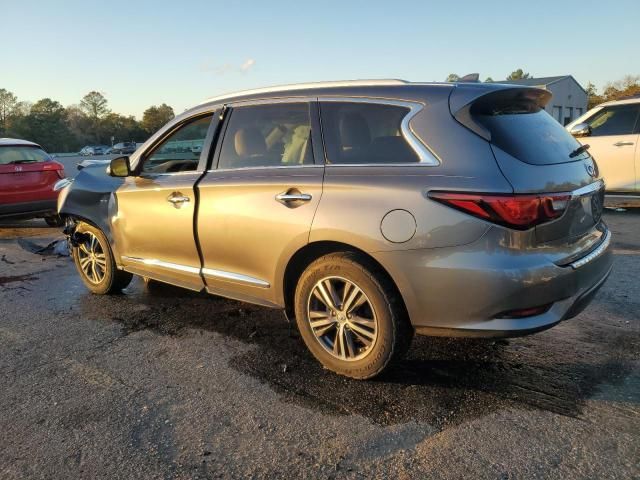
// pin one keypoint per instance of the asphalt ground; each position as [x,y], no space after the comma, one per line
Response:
[162,383]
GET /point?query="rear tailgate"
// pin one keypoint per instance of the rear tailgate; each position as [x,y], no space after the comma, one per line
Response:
[28,180]
[537,155]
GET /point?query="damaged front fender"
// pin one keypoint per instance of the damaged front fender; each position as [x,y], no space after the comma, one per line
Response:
[91,198]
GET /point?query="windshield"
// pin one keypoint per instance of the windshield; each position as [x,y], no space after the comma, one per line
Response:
[533,137]
[21,154]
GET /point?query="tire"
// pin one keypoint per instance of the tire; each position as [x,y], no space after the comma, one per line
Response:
[54,221]
[373,325]
[102,276]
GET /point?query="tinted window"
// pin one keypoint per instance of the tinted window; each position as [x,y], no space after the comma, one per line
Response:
[180,151]
[618,120]
[21,155]
[268,136]
[528,133]
[363,133]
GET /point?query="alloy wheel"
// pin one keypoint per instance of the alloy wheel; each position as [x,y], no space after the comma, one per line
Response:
[342,318]
[92,258]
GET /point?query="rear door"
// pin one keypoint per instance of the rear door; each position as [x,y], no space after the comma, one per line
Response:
[613,143]
[27,174]
[257,205]
[154,224]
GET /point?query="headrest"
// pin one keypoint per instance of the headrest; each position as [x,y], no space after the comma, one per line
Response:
[249,141]
[354,131]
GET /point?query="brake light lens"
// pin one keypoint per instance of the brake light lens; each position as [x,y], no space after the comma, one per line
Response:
[519,212]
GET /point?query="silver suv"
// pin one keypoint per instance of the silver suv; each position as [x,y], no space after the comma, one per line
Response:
[366,210]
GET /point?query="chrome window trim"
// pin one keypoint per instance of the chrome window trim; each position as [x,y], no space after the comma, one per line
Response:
[587,189]
[594,254]
[264,167]
[159,263]
[236,277]
[425,154]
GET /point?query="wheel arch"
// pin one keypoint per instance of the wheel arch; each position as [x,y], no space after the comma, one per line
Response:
[303,257]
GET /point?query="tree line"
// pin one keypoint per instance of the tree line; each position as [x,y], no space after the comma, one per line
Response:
[67,129]
[627,86]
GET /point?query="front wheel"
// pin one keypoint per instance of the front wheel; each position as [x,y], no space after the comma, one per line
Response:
[95,263]
[350,316]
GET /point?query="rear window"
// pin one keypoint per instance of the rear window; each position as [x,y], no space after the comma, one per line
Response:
[21,154]
[365,133]
[527,132]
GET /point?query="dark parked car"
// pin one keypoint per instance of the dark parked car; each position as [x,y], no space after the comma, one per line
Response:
[366,210]
[125,148]
[27,177]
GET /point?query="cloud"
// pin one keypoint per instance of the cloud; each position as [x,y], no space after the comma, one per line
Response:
[210,66]
[247,65]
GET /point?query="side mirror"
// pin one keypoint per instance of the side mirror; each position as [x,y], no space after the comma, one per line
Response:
[119,167]
[580,130]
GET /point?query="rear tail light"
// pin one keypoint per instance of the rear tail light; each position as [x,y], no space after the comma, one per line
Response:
[519,212]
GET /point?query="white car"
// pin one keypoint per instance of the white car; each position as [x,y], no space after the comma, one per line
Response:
[612,130]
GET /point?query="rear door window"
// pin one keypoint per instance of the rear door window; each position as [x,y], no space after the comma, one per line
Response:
[270,135]
[614,120]
[358,133]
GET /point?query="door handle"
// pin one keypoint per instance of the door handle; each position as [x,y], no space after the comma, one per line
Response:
[293,195]
[622,144]
[177,199]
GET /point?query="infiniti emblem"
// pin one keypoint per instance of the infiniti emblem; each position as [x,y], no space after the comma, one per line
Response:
[590,170]
[18,169]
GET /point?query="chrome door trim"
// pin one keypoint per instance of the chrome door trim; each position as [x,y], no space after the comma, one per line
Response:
[235,277]
[159,263]
[425,154]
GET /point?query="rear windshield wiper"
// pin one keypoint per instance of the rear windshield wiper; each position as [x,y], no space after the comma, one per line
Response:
[579,150]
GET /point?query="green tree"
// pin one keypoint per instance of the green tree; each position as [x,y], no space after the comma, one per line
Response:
[488,80]
[122,128]
[155,117]
[593,98]
[8,103]
[46,124]
[627,86]
[518,74]
[452,77]
[94,104]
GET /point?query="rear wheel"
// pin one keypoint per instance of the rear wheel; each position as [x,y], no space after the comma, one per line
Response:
[350,316]
[95,263]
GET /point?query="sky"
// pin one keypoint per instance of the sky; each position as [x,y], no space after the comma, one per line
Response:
[143,53]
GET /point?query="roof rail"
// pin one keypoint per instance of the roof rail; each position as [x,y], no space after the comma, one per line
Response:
[304,86]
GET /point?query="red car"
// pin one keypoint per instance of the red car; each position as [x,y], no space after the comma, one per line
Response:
[27,177]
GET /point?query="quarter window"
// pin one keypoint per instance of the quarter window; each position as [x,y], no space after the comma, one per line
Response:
[180,152]
[274,135]
[616,120]
[365,133]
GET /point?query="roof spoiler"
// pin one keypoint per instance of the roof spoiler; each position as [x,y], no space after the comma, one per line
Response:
[481,99]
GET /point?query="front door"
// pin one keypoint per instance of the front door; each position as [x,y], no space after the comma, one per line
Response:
[257,207]
[154,224]
[613,143]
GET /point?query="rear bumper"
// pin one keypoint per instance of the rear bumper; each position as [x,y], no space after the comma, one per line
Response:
[29,209]
[464,291]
